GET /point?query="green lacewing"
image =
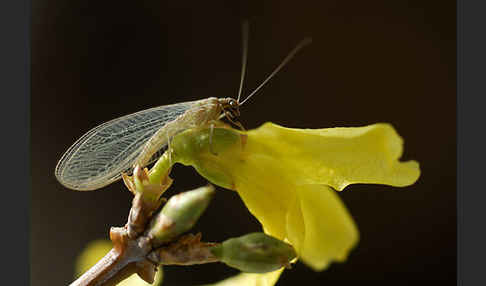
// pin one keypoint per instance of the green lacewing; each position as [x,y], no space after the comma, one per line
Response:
[101,155]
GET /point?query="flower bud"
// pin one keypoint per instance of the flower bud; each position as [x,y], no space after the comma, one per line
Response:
[255,253]
[179,215]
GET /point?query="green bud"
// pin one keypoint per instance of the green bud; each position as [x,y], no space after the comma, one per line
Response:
[179,215]
[255,253]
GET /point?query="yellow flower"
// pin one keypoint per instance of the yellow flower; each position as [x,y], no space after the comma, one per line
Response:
[286,179]
[251,279]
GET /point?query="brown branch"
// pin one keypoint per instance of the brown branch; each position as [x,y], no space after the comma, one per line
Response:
[126,257]
[188,250]
[132,256]
[100,271]
[140,214]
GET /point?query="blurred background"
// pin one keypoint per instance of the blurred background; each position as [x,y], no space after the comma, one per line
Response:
[370,61]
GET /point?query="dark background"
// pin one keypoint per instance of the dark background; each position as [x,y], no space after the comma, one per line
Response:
[370,61]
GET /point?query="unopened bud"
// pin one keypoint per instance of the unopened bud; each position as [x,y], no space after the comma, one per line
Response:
[255,253]
[179,215]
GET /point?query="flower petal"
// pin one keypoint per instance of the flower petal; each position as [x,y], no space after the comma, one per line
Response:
[337,156]
[251,279]
[311,217]
[320,227]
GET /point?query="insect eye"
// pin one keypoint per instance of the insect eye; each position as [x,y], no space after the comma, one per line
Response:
[232,103]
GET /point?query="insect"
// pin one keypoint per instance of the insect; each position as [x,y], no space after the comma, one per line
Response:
[101,155]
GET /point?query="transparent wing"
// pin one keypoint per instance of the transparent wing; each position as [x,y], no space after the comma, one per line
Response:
[100,156]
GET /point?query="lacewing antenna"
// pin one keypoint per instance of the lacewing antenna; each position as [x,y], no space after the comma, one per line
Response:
[302,44]
[244,39]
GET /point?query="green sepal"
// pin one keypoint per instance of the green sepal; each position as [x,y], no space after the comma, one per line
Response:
[193,148]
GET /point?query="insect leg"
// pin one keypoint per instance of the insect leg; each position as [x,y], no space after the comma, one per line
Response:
[228,116]
[169,150]
[211,132]
[237,123]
